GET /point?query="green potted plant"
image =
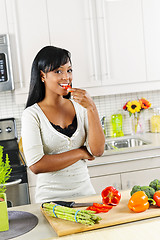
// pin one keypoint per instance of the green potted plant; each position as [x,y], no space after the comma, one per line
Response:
[5,170]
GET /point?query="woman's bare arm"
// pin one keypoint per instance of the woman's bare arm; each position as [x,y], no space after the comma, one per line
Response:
[96,138]
[50,163]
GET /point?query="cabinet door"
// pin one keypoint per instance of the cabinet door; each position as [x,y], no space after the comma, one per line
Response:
[142,178]
[123,31]
[71,28]
[100,183]
[31,32]
[151,17]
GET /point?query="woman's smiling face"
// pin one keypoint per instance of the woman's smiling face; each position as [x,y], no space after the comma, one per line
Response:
[56,80]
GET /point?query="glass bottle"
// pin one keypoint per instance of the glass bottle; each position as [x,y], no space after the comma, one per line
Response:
[116,125]
[155,121]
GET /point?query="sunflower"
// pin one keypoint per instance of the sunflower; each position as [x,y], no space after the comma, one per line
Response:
[133,106]
[145,104]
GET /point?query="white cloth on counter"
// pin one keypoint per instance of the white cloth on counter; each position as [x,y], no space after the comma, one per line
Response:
[39,137]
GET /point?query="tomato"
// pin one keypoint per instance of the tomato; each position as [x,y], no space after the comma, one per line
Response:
[1,199]
[156,198]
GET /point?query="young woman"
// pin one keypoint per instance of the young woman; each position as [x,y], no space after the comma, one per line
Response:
[58,134]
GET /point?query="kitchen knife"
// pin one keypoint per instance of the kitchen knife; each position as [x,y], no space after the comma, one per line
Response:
[72,204]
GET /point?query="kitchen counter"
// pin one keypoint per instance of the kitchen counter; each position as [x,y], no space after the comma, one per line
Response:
[144,229]
[133,153]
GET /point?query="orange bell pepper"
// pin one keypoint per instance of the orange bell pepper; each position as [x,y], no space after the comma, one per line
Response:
[138,202]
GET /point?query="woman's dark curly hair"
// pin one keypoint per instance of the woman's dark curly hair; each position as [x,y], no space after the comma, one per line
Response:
[47,59]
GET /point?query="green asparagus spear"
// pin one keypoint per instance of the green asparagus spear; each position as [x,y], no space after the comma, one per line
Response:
[83,216]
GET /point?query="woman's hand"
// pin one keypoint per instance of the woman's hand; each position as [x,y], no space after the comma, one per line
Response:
[82,97]
[86,154]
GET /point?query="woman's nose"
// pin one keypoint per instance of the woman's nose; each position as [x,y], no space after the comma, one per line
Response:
[65,76]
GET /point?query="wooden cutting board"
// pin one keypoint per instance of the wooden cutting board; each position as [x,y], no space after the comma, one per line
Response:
[117,215]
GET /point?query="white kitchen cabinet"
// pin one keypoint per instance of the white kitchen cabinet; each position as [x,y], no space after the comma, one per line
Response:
[125,173]
[130,31]
[142,178]
[151,18]
[114,44]
[106,41]
[65,24]
[71,27]
[123,26]
[100,183]
[31,34]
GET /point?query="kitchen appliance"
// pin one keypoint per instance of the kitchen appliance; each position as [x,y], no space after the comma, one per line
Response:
[17,186]
[6,75]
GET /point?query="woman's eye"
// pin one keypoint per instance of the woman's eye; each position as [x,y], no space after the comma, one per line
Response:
[70,70]
[58,71]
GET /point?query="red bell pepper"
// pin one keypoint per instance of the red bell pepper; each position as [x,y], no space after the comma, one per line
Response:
[98,207]
[111,196]
[156,198]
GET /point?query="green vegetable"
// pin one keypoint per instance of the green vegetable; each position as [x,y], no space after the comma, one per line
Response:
[149,191]
[136,188]
[5,170]
[155,184]
[83,216]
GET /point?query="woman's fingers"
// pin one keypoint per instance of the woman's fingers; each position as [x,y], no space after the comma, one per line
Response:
[82,97]
[87,155]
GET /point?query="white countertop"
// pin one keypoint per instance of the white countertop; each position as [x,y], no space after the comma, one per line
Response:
[145,229]
[133,153]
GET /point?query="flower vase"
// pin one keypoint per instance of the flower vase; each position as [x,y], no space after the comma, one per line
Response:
[4,223]
[137,123]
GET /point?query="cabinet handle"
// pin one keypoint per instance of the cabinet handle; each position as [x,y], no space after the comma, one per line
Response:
[93,33]
[103,39]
